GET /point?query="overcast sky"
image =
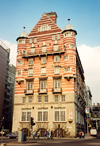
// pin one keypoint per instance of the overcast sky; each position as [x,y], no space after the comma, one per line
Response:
[84,15]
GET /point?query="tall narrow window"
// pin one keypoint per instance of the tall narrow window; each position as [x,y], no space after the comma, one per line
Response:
[43,60]
[44,49]
[57,84]
[32,50]
[43,85]
[30,40]
[30,72]
[55,98]
[30,99]
[42,115]
[18,72]
[43,71]
[56,70]
[26,114]
[30,61]
[53,37]
[35,39]
[29,87]
[23,99]
[55,47]
[56,58]
[58,36]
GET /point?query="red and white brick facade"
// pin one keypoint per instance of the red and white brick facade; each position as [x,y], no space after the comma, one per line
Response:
[49,79]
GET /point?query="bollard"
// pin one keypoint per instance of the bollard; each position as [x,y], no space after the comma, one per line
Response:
[3,144]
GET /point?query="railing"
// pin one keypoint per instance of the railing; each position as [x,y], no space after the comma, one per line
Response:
[42,90]
[56,90]
[28,91]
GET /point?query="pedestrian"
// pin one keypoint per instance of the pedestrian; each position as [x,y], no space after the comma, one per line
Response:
[38,134]
[33,134]
[48,135]
[51,134]
[45,135]
[80,134]
[83,135]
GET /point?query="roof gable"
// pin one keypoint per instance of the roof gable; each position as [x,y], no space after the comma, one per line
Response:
[44,25]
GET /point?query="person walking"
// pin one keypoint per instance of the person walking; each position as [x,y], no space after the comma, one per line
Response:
[51,134]
[33,134]
[45,135]
[80,134]
[38,134]
[48,135]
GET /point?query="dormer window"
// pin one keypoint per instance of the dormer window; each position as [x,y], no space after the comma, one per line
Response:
[58,36]
[35,39]
[53,37]
[44,27]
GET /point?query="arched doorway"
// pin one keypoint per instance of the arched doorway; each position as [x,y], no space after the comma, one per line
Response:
[26,131]
[42,130]
[59,132]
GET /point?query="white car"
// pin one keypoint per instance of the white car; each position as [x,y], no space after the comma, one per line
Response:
[93,132]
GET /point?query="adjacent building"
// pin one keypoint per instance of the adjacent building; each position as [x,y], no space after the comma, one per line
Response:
[49,80]
[4,87]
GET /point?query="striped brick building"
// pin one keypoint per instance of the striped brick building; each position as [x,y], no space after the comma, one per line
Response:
[49,79]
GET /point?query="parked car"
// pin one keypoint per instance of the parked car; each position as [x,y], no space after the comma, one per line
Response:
[12,135]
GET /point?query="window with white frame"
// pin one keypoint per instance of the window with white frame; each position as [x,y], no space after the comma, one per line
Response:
[53,37]
[55,47]
[32,50]
[39,98]
[30,99]
[67,34]
[63,98]
[45,98]
[30,72]
[72,46]
[44,49]
[20,62]
[29,86]
[59,114]
[26,115]
[21,41]
[43,60]
[30,61]
[42,115]
[35,39]
[55,98]
[30,40]
[65,57]
[56,58]
[18,52]
[43,71]
[68,68]
[43,85]
[57,83]
[58,36]
[18,72]
[56,70]
[23,99]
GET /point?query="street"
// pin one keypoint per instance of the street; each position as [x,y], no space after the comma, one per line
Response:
[54,142]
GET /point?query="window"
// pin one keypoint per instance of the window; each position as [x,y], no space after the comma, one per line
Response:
[68,69]
[42,115]
[20,62]
[43,71]
[72,46]
[55,47]
[58,36]
[53,37]
[56,70]
[30,72]
[30,40]
[39,98]
[35,39]
[23,99]
[23,52]
[46,98]
[26,115]
[29,86]
[32,50]
[65,57]
[59,114]
[44,27]
[21,41]
[63,98]
[43,60]
[56,58]
[57,83]
[18,72]
[30,61]
[30,99]
[18,52]
[44,49]
[43,84]
[67,34]
[56,98]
